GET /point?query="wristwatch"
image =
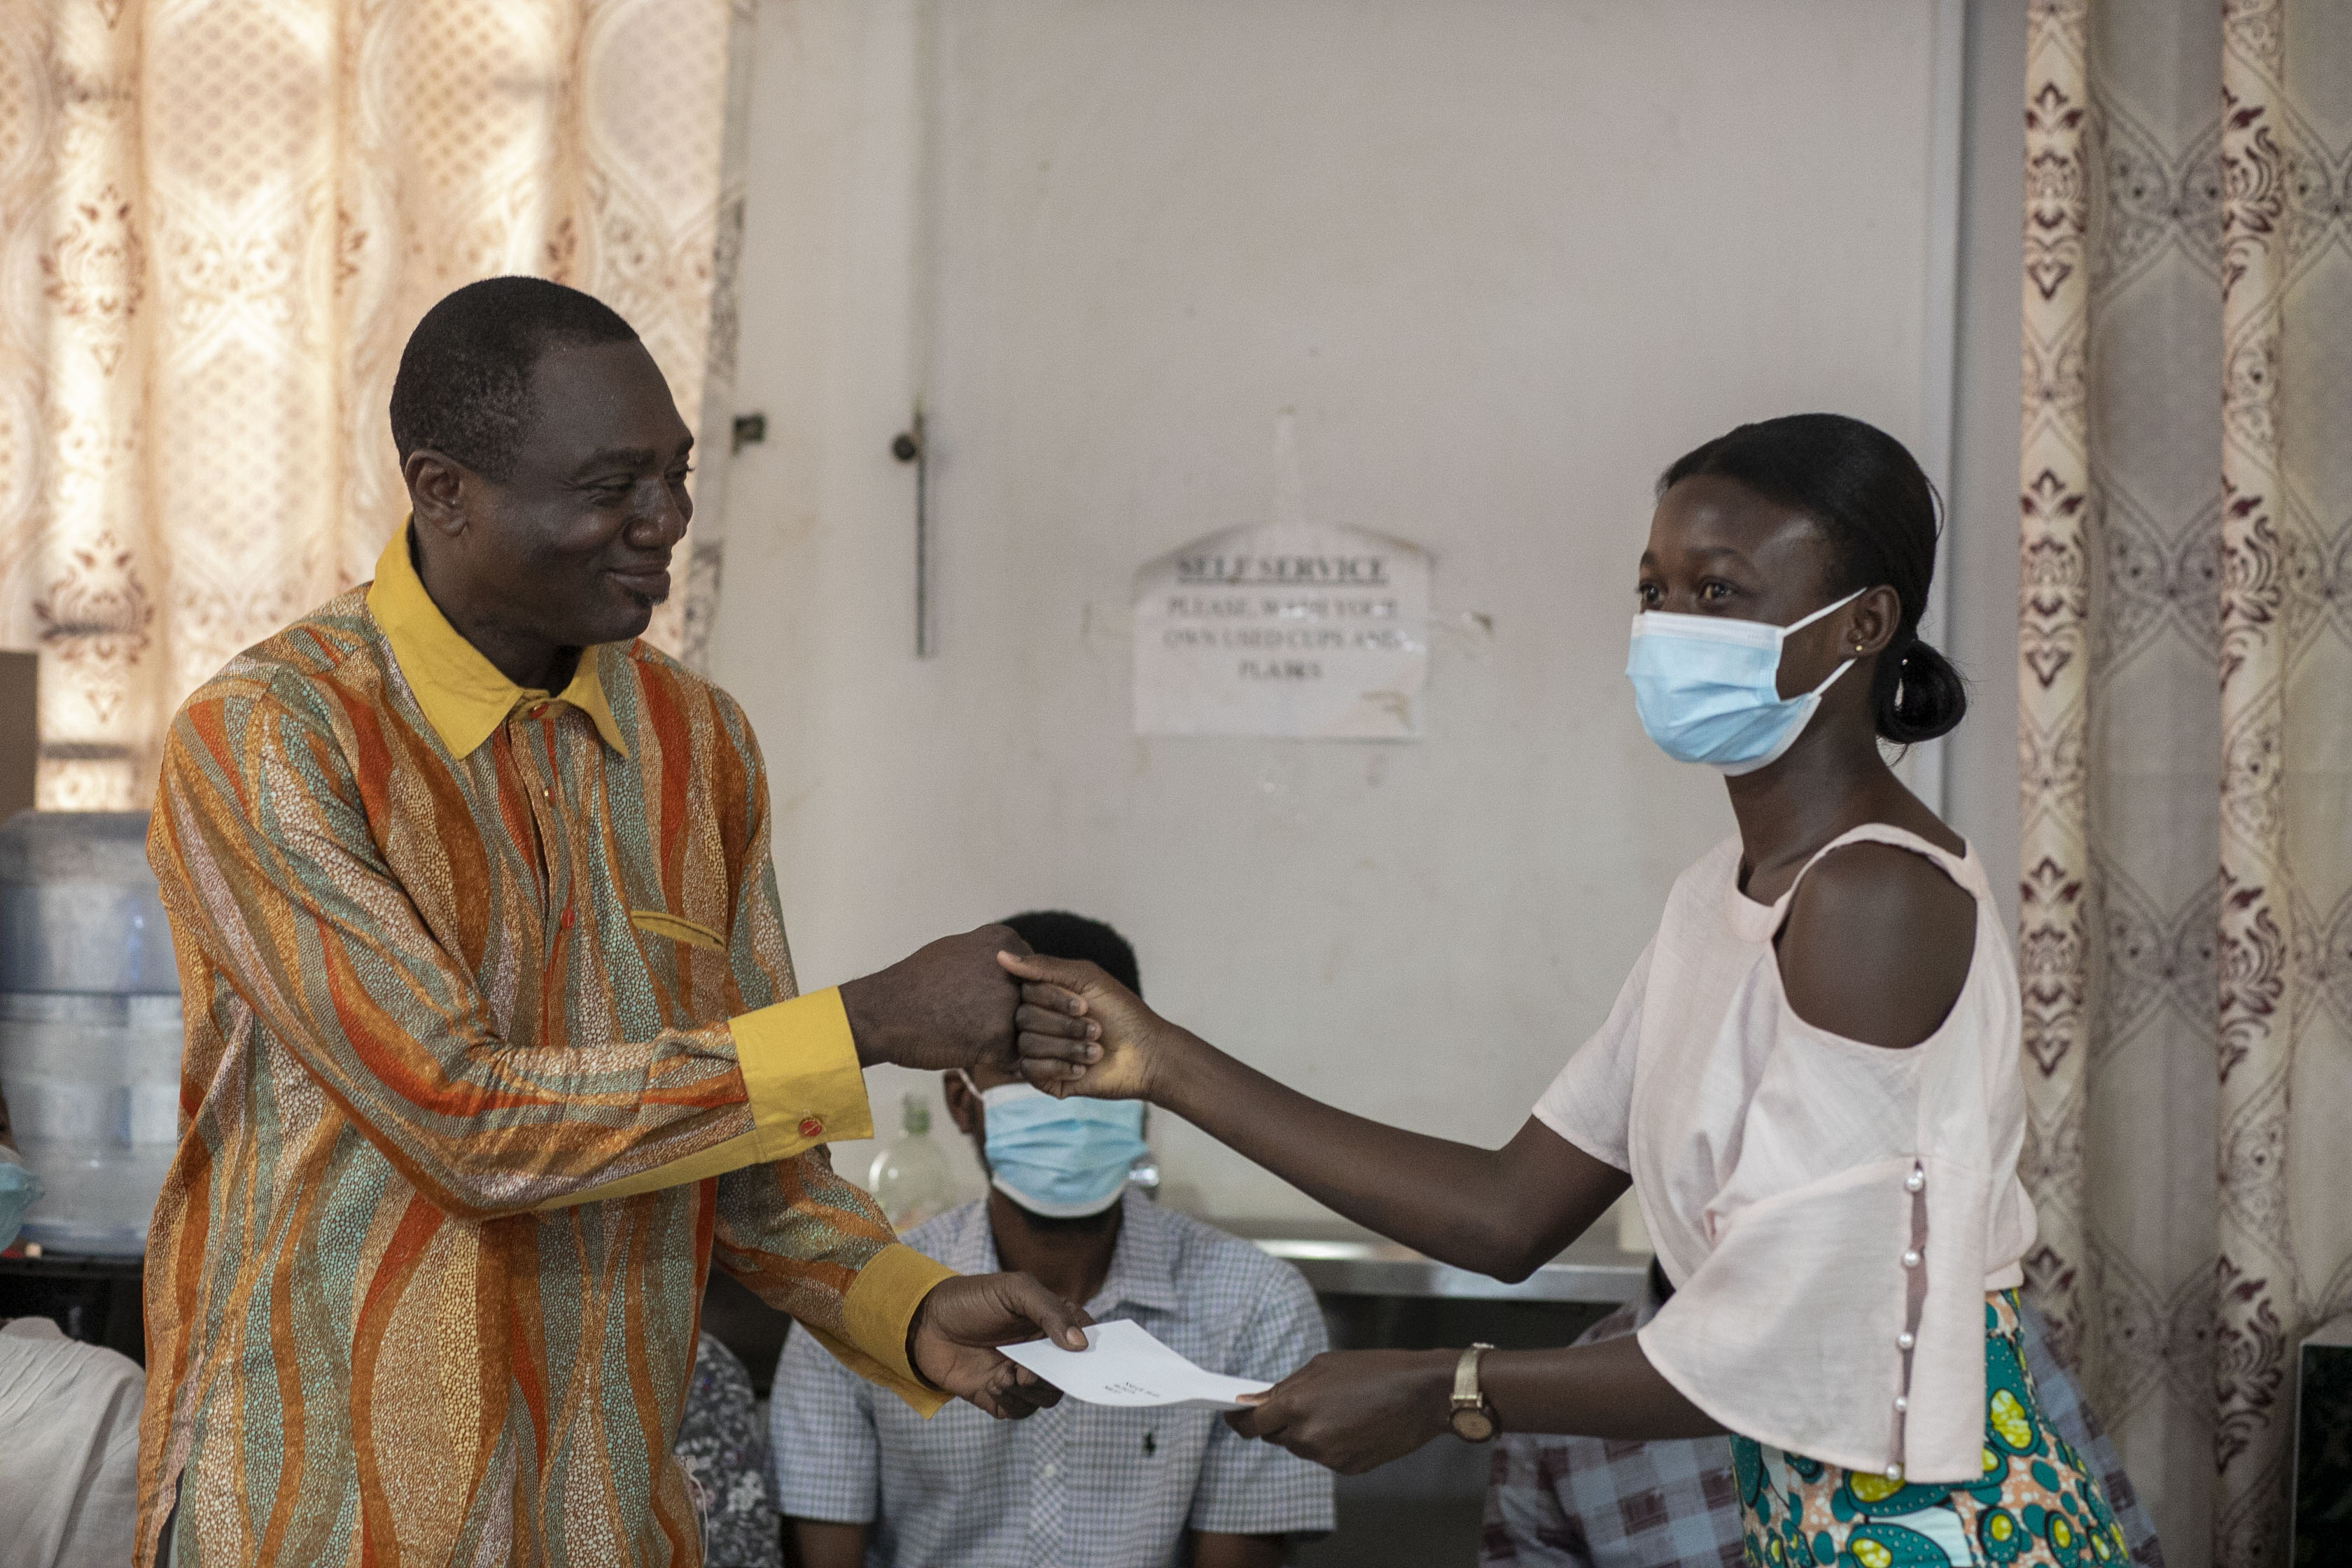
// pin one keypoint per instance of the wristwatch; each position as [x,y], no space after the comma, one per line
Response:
[1472,1419]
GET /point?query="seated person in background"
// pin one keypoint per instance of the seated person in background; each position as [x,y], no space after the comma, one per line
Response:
[865,1482]
[68,1426]
[1592,1502]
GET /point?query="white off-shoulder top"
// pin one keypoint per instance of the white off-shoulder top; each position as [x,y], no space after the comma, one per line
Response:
[1831,1213]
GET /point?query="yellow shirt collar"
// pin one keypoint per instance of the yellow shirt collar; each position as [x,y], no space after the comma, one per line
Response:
[464,696]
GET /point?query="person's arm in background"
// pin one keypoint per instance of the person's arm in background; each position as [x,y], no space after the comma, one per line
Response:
[1501,1211]
[813,1543]
[1236,1551]
[824,1455]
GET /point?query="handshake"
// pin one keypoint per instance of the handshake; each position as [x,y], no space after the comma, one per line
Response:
[983,999]
[945,1006]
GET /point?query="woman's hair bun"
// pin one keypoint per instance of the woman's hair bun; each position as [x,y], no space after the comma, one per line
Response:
[1918,695]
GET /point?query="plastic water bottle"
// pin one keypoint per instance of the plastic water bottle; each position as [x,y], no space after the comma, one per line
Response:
[909,1176]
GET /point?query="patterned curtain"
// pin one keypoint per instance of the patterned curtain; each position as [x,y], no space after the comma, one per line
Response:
[2186,736]
[219,220]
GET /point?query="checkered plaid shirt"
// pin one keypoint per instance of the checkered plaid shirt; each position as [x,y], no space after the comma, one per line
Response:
[1582,1502]
[1079,1484]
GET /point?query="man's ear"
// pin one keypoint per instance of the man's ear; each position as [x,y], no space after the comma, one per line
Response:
[436,490]
[964,1106]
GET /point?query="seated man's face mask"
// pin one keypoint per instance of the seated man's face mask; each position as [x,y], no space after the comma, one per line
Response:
[1059,1157]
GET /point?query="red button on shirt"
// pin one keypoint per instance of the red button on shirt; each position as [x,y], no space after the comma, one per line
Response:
[810,1126]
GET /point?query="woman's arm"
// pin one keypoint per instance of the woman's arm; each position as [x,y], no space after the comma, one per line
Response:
[1354,1410]
[1504,1212]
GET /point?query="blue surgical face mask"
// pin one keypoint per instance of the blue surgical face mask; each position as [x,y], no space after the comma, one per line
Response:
[1060,1158]
[19,1190]
[1708,687]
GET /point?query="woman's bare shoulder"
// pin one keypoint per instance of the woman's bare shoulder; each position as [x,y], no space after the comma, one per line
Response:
[1878,945]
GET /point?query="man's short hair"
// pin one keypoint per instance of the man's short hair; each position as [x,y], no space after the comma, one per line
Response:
[464,385]
[1058,933]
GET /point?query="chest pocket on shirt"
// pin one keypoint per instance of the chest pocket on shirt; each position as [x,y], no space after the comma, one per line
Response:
[678,928]
[687,963]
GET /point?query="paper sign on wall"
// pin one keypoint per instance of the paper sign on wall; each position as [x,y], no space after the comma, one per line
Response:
[1289,629]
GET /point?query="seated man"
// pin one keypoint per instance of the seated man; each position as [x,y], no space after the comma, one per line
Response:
[864,1482]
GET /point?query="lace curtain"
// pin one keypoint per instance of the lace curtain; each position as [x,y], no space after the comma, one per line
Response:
[219,220]
[2186,736]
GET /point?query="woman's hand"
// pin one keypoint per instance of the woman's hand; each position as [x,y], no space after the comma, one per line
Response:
[1081,1032]
[1354,1410]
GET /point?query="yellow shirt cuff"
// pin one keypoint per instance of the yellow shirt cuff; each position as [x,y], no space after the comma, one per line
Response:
[800,1068]
[800,1072]
[876,1315]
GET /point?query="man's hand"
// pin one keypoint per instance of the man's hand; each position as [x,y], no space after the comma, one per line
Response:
[945,1006]
[952,1341]
[1354,1410]
[1083,1033]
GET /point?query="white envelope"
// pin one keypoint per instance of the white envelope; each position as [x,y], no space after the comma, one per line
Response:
[1123,1364]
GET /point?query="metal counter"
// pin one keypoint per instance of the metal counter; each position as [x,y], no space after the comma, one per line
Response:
[1340,1260]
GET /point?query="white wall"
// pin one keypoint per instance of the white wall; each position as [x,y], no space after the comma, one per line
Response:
[1506,259]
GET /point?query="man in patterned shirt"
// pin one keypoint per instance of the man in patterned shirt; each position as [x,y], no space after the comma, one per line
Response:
[864,1484]
[493,1041]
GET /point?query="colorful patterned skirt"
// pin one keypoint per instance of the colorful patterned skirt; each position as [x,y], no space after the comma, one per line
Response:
[2036,1506]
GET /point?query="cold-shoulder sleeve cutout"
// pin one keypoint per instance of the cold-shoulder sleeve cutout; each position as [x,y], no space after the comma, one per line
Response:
[1877,944]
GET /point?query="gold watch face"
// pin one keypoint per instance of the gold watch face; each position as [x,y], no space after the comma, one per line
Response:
[1473,1425]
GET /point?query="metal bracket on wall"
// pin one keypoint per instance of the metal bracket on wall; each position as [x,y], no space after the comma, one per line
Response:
[908,447]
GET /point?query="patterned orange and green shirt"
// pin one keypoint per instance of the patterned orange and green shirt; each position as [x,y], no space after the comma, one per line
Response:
[492,1047]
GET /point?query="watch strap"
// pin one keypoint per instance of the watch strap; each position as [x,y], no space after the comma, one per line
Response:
[1468,1395]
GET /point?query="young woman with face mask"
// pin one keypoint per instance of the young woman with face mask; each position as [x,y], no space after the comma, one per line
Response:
[1811,1078]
